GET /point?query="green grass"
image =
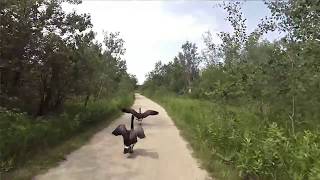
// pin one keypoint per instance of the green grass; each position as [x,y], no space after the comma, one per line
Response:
[50,157]
[80,123]
[234,142]
[189,117]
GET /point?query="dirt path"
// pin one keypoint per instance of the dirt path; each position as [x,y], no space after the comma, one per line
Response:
[162,155]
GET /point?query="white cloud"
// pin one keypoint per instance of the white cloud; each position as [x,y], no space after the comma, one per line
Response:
[151,33]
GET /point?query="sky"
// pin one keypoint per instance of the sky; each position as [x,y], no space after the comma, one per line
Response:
[155,30]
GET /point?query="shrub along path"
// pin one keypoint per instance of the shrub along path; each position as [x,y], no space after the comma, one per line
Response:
[163,154]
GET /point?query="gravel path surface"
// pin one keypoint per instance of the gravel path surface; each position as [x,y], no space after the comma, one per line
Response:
[162,155]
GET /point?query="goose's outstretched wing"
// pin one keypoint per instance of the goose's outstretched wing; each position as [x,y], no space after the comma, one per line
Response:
[140,132]
[120,130]
[148,113]
[140,115]
[131,111]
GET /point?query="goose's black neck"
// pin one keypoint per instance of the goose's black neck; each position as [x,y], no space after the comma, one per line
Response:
[132,118]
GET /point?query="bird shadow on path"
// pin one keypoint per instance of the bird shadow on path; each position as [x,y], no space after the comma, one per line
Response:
[143,152]
[147,125]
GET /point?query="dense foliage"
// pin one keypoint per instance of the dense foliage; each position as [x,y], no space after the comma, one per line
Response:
[55,79]
[49,56]
[277,83]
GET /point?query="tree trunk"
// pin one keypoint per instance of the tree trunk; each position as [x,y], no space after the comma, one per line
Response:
[87,100]
[45,98]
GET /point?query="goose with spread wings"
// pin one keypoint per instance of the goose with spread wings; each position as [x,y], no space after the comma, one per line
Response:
[140,115]
[129,136]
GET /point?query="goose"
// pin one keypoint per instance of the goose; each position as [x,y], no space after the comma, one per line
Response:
[140,115]
[129,136]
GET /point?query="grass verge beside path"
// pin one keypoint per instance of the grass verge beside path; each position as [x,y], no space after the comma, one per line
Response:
[43,157]
[235,143]
[51,157]
[189,117]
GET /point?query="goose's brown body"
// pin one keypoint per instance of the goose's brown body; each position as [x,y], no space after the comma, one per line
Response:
[129,136]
